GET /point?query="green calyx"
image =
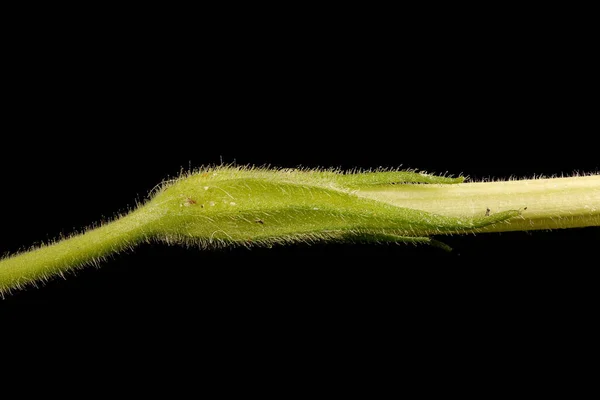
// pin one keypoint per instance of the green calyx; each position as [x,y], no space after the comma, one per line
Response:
[248,207]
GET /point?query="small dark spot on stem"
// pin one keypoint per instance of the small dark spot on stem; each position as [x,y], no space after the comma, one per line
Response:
[260,221]
[487,212]
[188,202]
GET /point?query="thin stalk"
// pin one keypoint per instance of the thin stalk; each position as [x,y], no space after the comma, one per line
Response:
[90,247]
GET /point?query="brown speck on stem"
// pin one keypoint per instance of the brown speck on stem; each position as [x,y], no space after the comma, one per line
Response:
[260,221]
[487,212]
[189,201]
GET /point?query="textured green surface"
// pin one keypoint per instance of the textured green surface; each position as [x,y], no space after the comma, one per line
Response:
[238,206]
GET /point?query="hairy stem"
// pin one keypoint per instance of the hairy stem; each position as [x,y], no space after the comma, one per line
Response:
[90,247]
[226,206]
[545,203]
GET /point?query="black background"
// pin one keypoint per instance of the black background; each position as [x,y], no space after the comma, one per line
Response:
[95,121]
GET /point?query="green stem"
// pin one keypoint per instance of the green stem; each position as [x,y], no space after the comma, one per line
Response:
[545,203]
[87,248]
[228,206]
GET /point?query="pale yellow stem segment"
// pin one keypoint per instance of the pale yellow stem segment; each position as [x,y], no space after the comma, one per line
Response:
[553,203]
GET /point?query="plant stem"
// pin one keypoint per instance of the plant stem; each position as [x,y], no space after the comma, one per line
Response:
[239,206]
[545,203]
[87,248]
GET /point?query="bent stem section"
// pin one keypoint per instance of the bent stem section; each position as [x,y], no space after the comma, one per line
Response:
[230,206]
[553,203]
